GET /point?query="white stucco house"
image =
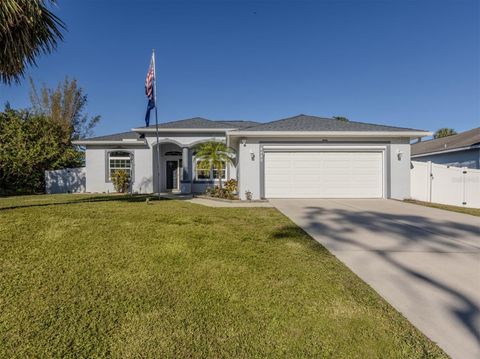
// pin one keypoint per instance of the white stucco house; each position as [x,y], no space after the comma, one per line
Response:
[297,157]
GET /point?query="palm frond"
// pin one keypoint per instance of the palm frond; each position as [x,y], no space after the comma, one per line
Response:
[27,29]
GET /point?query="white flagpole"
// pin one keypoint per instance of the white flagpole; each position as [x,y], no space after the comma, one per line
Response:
[156,121]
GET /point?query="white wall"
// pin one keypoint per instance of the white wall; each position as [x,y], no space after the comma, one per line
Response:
[68,180]
[96,166]
[457,186]
[143,170]
[399,174]
[249,169]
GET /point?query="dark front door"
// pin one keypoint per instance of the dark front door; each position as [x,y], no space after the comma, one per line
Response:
[172,175]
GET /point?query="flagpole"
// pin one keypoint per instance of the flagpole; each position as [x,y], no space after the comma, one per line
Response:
[156,120]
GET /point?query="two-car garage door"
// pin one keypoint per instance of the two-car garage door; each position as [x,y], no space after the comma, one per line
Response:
[325,174]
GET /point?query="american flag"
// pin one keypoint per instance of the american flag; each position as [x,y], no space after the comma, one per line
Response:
[149,90]
[149,82]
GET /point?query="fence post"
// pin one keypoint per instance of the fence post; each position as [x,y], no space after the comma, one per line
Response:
[430,180]
[464,184]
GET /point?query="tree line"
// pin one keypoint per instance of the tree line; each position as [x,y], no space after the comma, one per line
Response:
[39,138]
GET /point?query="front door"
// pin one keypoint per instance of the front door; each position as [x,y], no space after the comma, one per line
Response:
[172,175]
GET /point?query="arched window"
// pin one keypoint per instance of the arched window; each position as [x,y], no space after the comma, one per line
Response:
[119,160]
[173,153]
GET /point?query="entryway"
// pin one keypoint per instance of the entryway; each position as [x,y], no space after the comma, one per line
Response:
[173,174]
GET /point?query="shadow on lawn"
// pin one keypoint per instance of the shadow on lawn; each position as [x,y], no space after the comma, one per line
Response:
[100,198]
[405,233]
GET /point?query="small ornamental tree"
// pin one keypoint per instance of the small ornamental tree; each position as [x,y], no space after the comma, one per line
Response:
[214,155]
[121,181]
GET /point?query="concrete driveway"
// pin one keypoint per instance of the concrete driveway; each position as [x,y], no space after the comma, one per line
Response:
[423,261]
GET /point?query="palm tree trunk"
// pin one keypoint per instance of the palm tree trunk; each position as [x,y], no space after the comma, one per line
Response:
[220,169]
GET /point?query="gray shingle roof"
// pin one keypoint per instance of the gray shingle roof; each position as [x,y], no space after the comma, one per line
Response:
[464,139]
[314,123]
[296,123]
[203,123]
[116,137]
[196,122]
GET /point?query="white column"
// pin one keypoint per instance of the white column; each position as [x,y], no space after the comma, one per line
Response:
[186,177]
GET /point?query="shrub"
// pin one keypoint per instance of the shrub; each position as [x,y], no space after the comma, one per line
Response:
[218,192]
[231,186]
[121,181]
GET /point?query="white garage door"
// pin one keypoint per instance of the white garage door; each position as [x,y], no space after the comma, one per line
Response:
[323,174]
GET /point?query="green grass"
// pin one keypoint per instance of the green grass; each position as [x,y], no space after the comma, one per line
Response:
[464,210]
[116,277]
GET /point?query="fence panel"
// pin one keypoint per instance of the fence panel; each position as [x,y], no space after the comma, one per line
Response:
[436,183]
[447,185]
[68,180]
[472,188]
[420,178]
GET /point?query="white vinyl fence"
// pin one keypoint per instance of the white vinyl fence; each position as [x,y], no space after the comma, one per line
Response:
[457,186]
[68,180]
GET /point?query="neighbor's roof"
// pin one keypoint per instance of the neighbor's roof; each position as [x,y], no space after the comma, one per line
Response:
[465,139]
[201,123]
[321,124]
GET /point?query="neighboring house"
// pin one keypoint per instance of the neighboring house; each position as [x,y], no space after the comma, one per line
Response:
[297,157]
[462,150]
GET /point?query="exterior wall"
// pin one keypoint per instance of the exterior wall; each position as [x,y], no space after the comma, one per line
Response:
[144,163]
[249,169]
[467,158]
[96,167]
[143,171]
[397,168]
[398,174]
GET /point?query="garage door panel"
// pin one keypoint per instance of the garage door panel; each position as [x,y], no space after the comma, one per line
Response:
[323,174]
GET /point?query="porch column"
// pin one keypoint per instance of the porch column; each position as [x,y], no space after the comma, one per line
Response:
[186,178]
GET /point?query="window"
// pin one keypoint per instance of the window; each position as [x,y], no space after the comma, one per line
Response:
[119,161]
[222,172]
[203,175]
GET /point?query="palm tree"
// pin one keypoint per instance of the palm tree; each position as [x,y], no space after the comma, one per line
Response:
[444,132]
[27,29]
[341,118]
[214,155]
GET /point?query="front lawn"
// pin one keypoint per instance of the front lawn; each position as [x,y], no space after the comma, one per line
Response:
[464,210]
[116,277]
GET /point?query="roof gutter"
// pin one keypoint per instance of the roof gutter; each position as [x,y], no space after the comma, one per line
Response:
[410,134]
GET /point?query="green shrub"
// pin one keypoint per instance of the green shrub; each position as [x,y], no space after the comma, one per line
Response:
[121,180]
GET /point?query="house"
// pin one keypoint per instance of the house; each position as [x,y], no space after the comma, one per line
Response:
[462,150]
[297,157]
